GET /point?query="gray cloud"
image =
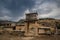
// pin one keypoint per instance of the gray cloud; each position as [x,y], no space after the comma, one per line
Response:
[49,8]
[16,9]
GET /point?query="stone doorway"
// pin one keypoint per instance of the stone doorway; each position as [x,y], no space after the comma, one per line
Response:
[32,31]
[41,31]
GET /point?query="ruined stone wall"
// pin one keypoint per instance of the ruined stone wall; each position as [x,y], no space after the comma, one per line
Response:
[21,28]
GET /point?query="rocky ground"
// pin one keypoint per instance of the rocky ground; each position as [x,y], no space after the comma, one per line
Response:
[8,36]
[45,37]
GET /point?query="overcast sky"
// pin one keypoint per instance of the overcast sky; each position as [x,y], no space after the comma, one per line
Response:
[15,10]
